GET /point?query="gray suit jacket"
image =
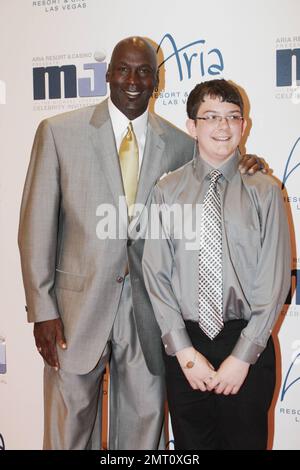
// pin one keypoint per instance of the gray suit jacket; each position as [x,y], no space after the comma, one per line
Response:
[67,270]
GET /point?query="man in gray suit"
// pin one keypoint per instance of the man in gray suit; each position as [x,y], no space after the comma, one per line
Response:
[85,294]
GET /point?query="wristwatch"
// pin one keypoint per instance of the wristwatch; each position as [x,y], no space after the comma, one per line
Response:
[190,364]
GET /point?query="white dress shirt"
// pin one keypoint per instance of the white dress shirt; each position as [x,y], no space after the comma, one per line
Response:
[120,124]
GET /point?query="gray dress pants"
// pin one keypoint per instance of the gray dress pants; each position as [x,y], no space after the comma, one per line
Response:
[73,402]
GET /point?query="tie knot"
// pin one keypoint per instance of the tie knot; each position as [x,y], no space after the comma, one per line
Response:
[214,175]
[129,133]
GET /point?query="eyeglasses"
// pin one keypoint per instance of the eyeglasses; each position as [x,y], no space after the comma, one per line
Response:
[215,119]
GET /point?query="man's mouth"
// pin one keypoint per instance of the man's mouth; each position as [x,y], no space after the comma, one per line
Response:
[132,94]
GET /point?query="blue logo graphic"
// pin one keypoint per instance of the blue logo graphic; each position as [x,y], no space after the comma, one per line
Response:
[73,86]
[2,445]
[284,66]
[286,386]
[193,57]
[288,171]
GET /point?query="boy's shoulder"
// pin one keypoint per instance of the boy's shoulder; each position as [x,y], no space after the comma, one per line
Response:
[261,183]
[169,181]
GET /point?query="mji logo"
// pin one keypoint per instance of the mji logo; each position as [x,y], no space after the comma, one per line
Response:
[286,67]
[192,58]
[50,81]
[2,444]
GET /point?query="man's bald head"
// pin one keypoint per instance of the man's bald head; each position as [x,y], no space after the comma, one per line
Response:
[136,42]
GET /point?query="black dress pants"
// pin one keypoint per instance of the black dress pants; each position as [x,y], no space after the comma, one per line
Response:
[206,420]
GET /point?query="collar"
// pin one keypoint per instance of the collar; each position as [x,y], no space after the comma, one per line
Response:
[120,121]
[202,168]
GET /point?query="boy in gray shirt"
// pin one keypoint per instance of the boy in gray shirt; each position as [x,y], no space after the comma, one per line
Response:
[217,301]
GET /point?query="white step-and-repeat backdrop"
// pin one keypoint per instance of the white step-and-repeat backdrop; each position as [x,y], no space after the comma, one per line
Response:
[255,43]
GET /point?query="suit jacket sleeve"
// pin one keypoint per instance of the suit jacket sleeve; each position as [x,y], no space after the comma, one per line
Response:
[38,230]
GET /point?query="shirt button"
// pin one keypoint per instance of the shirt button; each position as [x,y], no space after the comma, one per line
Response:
[120,279]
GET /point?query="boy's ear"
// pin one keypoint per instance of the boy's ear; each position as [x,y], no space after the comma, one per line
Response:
[191,127]
[245,123]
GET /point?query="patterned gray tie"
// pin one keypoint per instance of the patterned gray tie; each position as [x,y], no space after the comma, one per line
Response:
[210,262]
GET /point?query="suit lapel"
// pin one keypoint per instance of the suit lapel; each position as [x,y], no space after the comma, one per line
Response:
[152,160]
[150,172]
[102,137]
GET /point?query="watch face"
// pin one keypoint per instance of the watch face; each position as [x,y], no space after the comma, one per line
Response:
[190,364]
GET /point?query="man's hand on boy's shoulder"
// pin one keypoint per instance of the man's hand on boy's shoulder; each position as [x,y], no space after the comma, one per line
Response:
[251,164]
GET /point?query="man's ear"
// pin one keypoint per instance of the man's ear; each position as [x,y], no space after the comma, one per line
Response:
[191,127]
[107,76]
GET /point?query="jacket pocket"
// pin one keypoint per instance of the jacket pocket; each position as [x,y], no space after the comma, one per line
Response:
[69,281]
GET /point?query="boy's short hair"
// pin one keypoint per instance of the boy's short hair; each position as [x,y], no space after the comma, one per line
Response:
[214,89]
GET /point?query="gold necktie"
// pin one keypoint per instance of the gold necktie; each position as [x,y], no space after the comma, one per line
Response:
[129,162]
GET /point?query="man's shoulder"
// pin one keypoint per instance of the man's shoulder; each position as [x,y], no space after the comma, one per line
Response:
[75,117]
[170,129]
[262,184]
[259,179]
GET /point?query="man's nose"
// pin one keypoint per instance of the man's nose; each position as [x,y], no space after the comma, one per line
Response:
[132,78]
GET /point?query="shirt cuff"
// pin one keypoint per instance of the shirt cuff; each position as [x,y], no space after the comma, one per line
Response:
[175,341]
[246,350]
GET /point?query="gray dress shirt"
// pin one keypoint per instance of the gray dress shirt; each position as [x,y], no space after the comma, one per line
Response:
[256,253]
